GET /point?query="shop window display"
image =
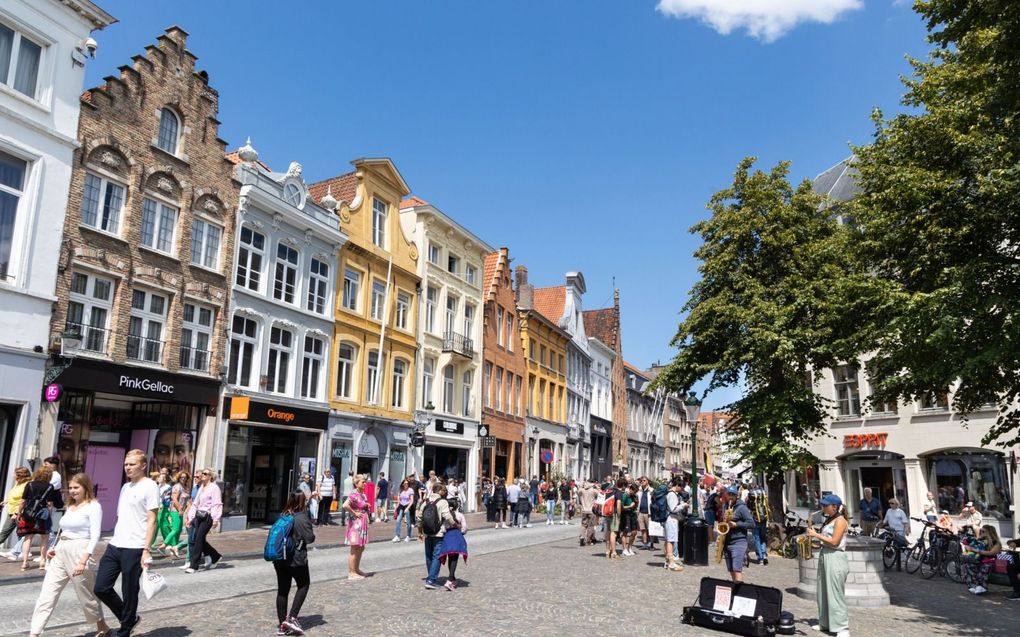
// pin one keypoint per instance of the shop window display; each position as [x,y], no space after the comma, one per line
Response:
[808,488]
[978,477]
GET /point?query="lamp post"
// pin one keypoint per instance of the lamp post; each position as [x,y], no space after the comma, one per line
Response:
[422,420]
[695,534]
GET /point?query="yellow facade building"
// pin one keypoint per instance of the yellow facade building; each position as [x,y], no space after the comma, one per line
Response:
[373,360]
[545,348]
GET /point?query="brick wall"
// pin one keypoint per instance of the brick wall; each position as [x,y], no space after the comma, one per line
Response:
[117,130]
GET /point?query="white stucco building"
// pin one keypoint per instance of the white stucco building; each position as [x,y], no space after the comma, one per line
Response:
[44,46]
[600,461]
[280,336]
[449,375]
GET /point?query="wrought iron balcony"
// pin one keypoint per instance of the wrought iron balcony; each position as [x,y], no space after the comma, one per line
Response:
[573,432]
[140,348]
[458,344]
[196,359]
[93,339]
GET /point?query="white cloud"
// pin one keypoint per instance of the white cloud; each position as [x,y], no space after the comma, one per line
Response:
[766,20]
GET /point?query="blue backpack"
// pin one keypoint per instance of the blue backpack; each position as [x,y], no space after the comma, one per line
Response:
[280,543]
[659,510]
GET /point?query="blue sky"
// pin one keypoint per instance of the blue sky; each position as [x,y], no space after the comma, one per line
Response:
[584,135]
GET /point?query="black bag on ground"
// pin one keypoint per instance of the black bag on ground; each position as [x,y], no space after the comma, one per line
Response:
[761,621]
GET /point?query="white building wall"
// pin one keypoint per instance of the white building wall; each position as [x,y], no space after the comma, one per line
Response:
[41,130]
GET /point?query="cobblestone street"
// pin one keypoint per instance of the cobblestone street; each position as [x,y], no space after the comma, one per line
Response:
[549,589]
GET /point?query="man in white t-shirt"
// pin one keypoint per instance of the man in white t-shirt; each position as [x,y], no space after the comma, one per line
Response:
[128,551]
[327,491]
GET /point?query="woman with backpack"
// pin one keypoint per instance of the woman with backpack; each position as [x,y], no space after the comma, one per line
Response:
[72,558]
[34,515]
[357,508]
[294,567]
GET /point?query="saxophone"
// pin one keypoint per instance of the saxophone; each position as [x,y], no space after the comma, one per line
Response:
[805,547]
[722,529]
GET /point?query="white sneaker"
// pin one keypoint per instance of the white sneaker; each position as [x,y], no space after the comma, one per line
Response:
[504,525]
[816,626]
[396,538]
[207,562]
[527,526]
[972,589]
[189,570]
[407,539]
[185,566]
[980,590]
[843,633]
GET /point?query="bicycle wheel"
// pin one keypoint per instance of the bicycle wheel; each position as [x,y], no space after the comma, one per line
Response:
[929,563]
[913,559]
[888,554]
[953,570]
[789,548]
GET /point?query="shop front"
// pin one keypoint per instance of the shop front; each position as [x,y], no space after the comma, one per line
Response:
[368,446]
[268,447]
[908,463]
[601,448]
[103,410]
[451,450]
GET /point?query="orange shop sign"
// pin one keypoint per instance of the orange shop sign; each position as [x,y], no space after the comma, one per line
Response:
[858,441]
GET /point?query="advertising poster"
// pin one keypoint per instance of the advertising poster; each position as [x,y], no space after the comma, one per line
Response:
[106,469]
[170,448]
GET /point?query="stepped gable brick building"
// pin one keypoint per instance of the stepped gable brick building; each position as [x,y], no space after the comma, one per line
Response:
[604,324]
[145,264]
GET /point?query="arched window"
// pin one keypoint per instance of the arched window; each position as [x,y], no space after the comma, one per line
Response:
[448,389]
[399,374]
[427,374]
[169,126]
[345,371]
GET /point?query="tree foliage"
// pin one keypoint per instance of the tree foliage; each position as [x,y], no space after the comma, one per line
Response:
[778,297]
[939,218]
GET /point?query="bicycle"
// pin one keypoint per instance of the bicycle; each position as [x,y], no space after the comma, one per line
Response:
[783,540]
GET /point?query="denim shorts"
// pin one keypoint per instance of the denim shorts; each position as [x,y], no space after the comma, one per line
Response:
[672,529]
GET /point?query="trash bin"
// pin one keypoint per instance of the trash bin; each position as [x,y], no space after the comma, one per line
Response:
[680,538]
[695,542]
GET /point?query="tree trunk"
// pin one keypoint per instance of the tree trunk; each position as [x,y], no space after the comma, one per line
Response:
[777,511]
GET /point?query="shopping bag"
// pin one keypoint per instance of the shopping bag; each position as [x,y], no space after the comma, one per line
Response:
[655,529]
[152,583]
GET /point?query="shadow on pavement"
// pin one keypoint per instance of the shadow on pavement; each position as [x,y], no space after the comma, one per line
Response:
[167,631]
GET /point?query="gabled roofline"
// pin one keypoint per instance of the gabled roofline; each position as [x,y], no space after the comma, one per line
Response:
[388,163]
[430,209]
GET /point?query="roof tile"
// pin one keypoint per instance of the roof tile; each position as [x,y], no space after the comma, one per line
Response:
[343,187]
[602,324]
[410,202]
[549,302]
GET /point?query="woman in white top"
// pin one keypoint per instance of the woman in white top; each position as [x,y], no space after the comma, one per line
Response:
[71,558]
[930,510]
[833,568]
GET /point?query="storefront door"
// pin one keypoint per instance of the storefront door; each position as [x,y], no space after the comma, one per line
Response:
[272,478]
[447,462]
[8,425]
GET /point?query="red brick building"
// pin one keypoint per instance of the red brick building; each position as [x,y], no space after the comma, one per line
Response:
[504,369]
[604,325]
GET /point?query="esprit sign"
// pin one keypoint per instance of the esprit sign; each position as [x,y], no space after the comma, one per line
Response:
[145,384]
[859,441]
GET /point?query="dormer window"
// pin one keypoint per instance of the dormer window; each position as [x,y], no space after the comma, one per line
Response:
[293,194]
[169,127]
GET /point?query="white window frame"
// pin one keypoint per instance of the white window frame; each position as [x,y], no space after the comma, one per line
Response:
[499,326]
[467,380]
[286,282]
[241,342]
[11,75]
[105,208]
[318,287]
[20,194]
[428,377]
[278,368]
[471,274]
[175,143]
[452,303]
[192,353]
[431,306]
[403,310]
[208,250]
[245,274]
[312,378]
[453,264]
[376,309]
[94,333]
[351,289]
[509,331]
[469,321]
[345,370]
[434,253]
[499,388]
[399,382]
[372,378]
[149,342]
[159,221]
[486,384]
[846,383]
[449,396]
[380,214]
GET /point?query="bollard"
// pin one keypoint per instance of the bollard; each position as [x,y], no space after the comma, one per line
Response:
[695,542]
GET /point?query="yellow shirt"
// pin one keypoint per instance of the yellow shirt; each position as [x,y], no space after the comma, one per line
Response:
[14,497]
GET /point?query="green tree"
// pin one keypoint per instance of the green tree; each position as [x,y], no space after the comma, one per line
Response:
[777,302]
[939,218]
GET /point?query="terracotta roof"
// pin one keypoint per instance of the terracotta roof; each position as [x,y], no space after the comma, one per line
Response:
[233,158]
[86,97]
[489,271]
[343,187]
[549,302]
[602,324]
[410,202]
[635,370]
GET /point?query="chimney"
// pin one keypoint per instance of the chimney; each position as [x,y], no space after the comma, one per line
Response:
[524,290]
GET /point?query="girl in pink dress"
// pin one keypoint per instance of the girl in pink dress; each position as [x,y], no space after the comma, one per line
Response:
[357,531]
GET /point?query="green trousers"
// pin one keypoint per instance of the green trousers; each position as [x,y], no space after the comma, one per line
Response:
[833,568]
[168,524]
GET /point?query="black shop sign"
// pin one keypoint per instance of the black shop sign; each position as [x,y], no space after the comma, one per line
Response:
[243,408]
[449,427]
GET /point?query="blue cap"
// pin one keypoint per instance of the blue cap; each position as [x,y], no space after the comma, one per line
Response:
[831,498]
[733,491]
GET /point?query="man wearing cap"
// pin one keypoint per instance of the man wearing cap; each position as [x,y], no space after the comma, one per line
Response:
[741,522]
[970,518]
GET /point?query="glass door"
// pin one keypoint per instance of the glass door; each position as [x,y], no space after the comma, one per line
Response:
[900,488]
